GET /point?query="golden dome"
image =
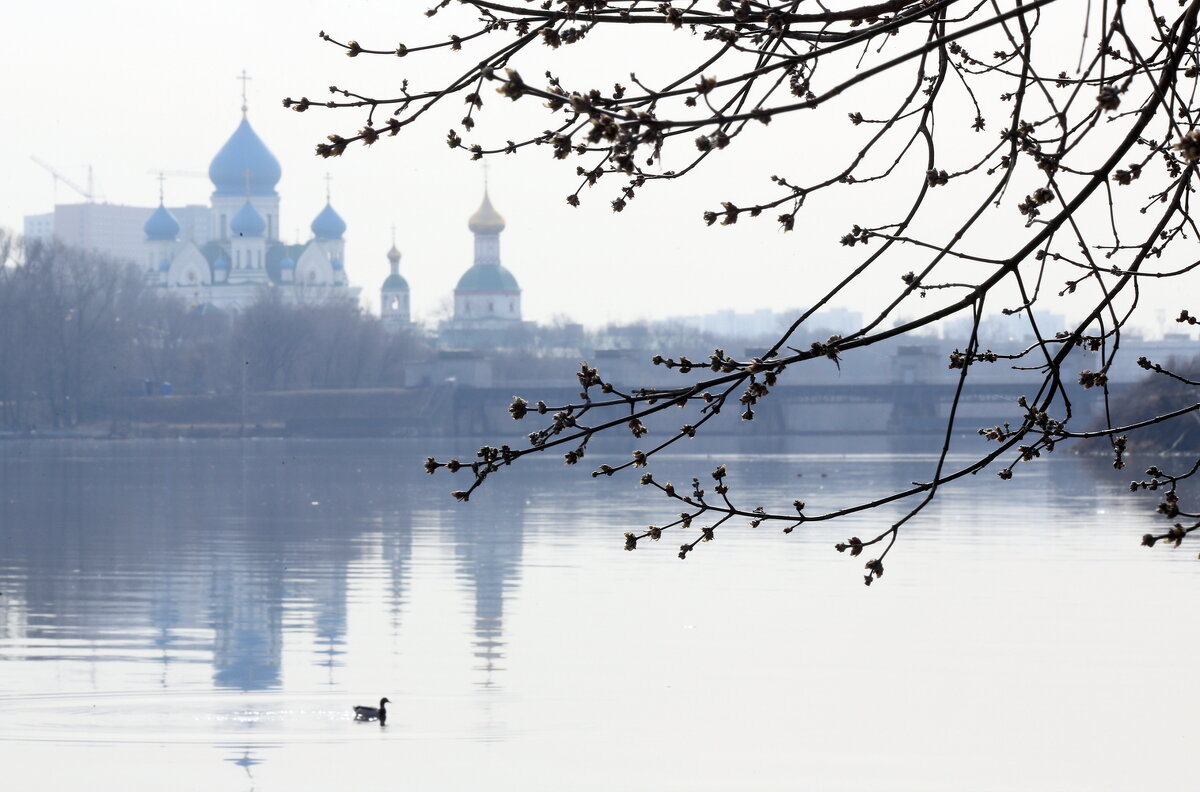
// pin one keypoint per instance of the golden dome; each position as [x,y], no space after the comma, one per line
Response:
[486,219]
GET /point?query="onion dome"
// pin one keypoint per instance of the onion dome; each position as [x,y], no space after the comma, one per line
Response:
[486,219]
[286,263]
[248,222]
[244,151]
[164,265]
[487,278]
[338,265]
[328,224]
[221,263]
[161,226]
[394,283]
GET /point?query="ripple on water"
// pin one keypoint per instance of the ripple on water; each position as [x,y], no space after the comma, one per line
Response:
[263,718]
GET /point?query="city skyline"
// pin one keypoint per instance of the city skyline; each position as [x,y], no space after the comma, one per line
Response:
[178,93]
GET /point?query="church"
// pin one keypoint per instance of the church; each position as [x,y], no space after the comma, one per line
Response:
[232,253]
[487,299]
[238,253]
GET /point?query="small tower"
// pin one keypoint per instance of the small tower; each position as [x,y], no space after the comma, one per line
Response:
[162,232]
[393,296]
[248,245]
[328,230]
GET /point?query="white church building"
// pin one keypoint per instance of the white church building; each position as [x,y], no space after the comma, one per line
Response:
[487,299]
[244,254]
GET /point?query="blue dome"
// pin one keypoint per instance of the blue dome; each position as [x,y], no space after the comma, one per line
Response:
[286,263]
[221,263]
[244,151]
[248,222]
[328,224]
[164,265]
[162,225]
[338,265]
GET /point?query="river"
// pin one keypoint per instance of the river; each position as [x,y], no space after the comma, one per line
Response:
[203,614]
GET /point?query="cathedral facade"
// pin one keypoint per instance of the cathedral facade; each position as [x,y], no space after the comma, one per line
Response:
[239,257]
[243,255]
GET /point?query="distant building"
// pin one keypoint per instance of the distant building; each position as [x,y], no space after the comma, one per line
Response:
[487,299]
[223,254]
[764,323]
[235,252]
[114,230]
[394,309]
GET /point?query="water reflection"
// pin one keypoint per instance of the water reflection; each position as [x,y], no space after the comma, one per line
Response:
[488,550]
[231,601]
[214,553]
[190,553]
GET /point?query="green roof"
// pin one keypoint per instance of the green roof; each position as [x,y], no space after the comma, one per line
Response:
[487,278]
[394,282]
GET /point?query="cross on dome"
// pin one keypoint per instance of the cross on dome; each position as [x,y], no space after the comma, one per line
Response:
[245,78]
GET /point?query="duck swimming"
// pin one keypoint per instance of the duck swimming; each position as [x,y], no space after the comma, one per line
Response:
[373,713]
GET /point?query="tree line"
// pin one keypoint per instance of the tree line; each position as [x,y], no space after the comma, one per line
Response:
[78,328]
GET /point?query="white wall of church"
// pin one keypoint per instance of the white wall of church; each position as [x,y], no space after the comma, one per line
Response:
[189,268]
[393,307]
[487,305]
[314,267]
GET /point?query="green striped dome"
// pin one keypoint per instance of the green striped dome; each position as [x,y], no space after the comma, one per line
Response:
[394,282]
[487,278]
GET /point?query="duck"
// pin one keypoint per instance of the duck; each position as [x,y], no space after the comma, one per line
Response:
[373,713]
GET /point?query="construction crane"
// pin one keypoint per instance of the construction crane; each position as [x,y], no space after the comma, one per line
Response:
[89,193]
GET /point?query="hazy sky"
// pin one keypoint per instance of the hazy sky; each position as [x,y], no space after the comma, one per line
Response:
[133,86]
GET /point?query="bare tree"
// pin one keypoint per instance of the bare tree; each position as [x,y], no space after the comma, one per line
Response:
[66,336]
[979,162]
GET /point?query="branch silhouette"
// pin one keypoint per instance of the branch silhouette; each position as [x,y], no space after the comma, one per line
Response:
[892,95]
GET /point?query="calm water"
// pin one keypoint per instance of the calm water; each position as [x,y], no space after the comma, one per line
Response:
[202,615]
